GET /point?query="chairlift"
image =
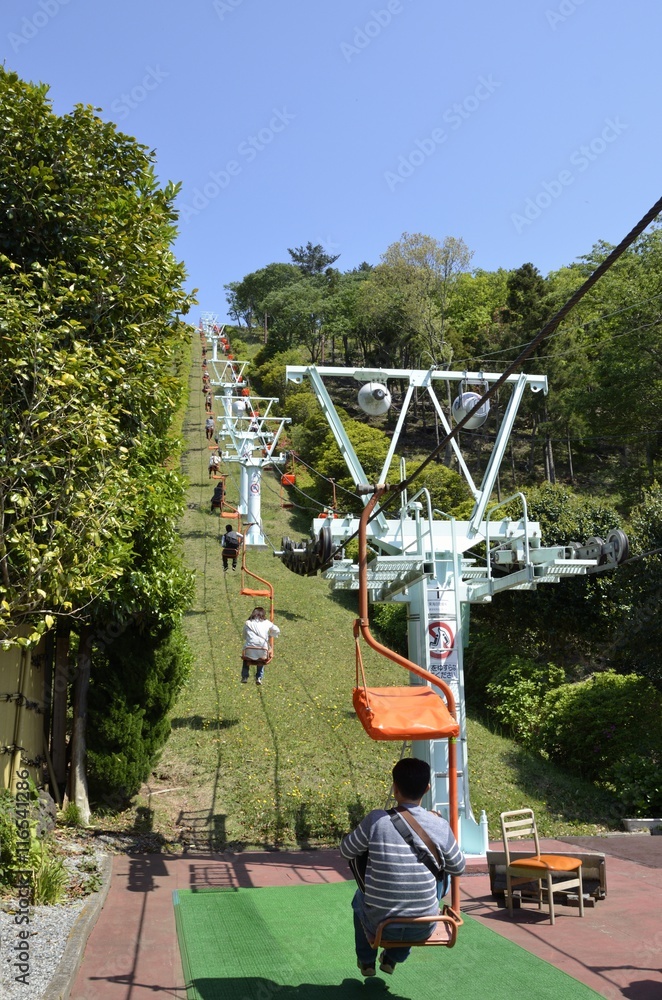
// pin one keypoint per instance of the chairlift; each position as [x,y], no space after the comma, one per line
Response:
[414,712]
[266,591]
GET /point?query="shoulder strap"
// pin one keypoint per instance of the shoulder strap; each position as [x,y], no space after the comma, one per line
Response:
[402,821]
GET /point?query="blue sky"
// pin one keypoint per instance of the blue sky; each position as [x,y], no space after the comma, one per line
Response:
[530,129]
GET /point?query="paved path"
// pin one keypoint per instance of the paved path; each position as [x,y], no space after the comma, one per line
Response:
[132,952]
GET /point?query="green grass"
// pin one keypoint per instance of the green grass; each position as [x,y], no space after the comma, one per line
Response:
[289,763]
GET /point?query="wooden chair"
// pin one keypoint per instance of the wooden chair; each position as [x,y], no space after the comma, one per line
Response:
[538,868]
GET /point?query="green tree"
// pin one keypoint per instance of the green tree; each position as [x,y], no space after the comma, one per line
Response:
[311,259]
[91,347]
[246,298]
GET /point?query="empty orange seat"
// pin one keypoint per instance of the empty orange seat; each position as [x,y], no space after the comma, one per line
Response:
[548,862]
[404,713]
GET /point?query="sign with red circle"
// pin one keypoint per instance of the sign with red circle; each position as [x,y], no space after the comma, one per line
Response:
[441,640]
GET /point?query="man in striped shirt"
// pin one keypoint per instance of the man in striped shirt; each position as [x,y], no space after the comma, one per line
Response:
[397,884]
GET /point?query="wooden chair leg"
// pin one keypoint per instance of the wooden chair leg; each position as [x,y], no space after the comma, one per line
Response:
[509,894]
[550,898]
[581,894]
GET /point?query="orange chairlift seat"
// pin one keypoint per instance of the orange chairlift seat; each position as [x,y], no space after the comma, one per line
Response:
[266,591]
[414,712]
[287,479]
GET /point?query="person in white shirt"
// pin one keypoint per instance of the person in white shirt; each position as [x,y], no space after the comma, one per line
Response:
[257,632]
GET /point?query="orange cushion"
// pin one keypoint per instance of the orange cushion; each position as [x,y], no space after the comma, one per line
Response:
[548,862]
[404,713]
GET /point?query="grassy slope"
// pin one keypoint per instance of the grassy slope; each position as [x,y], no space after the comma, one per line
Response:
[289,763]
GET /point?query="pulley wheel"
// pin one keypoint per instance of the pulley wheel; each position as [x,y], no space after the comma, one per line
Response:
[325,544]
[621,545]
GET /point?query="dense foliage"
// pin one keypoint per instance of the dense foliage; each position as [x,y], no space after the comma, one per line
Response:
[92,359]
[135,684]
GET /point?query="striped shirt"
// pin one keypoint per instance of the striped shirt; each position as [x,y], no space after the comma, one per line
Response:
[397,883]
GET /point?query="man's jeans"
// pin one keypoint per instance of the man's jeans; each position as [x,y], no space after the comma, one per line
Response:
[400,932]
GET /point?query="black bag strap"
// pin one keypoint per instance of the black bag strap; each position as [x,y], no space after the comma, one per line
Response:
[403,821]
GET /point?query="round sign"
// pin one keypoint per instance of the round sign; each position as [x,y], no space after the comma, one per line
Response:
[441,640]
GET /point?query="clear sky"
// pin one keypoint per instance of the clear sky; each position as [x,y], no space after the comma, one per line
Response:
[529,128]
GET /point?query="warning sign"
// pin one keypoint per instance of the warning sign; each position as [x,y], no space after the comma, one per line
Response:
[442,631]
[441,640]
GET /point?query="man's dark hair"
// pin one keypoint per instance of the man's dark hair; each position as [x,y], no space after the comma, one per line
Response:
[412,777]
[228,528]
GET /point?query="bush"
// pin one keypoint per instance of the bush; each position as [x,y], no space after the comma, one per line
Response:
[48,875]
[390,622]
[516,696]
[637,594]
[638,783]
[596,727]
[449,491]
[134,684]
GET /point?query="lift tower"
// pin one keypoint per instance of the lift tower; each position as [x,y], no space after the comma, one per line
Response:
[247,435]
[434,563]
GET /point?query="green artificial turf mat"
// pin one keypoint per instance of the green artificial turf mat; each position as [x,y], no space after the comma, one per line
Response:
[297,943]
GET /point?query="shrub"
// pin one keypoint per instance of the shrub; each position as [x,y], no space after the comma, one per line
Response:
[49,878]
[449,491]
[134,685]
[71,816]
[516,696]
[48,875]
[638,782]
[390,622]
[595,727]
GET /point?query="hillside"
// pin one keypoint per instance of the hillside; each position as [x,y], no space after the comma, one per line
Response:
[288,763]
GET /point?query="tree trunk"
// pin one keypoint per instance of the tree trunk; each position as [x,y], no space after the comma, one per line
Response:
[78,777]
[534,434]
[549,460]
[550,471]
[572,471]
[59,730]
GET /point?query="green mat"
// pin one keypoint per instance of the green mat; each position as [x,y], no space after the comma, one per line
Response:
[297,943]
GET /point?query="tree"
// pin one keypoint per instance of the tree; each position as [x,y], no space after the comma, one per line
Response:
[311,259]
[90,350]
[89,290]
[246,298]
[427,272]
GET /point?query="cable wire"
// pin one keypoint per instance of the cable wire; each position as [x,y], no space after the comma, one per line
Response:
[559,333]
[327,479]
[396,489]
